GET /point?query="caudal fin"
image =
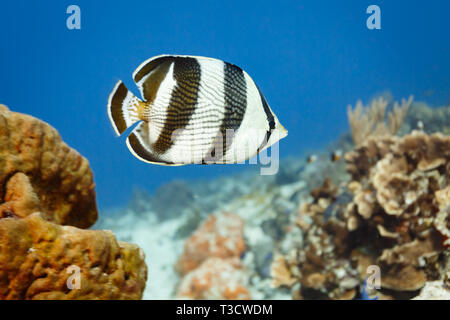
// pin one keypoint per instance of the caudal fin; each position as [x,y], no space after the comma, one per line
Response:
[123,108]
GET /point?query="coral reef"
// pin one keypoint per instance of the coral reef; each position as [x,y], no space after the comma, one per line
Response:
[281,272]
[210,263]
[60,176]
[317,264]
[397,219]
[37,260]
[216,278]
[47,195]
[158,239]
[431,120]
[434,290]
[220,236]
[371,120]
[305,238]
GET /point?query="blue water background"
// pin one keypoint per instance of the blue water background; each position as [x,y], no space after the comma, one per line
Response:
[310,59]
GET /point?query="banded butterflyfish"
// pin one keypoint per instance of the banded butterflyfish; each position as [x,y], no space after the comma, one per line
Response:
[193,110]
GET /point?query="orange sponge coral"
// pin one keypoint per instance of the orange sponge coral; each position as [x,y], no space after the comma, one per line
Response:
[216,278]
[220,236]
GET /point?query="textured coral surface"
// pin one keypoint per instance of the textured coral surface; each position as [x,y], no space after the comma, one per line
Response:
[47,194]
[60,176]
[394,216]
[37,260]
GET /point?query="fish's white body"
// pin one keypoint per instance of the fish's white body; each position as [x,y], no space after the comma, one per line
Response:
[193,110]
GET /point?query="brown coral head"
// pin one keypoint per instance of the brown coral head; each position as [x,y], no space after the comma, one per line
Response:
[49,176]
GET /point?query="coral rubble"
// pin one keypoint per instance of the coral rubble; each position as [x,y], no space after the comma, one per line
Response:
[47,194]
[397,220]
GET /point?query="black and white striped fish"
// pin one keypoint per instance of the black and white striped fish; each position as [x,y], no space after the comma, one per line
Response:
[193,110]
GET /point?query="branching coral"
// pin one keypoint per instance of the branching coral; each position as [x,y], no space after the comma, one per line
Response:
[371,120]
[281,272]
[404,186]
[316,266]
[397,220]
